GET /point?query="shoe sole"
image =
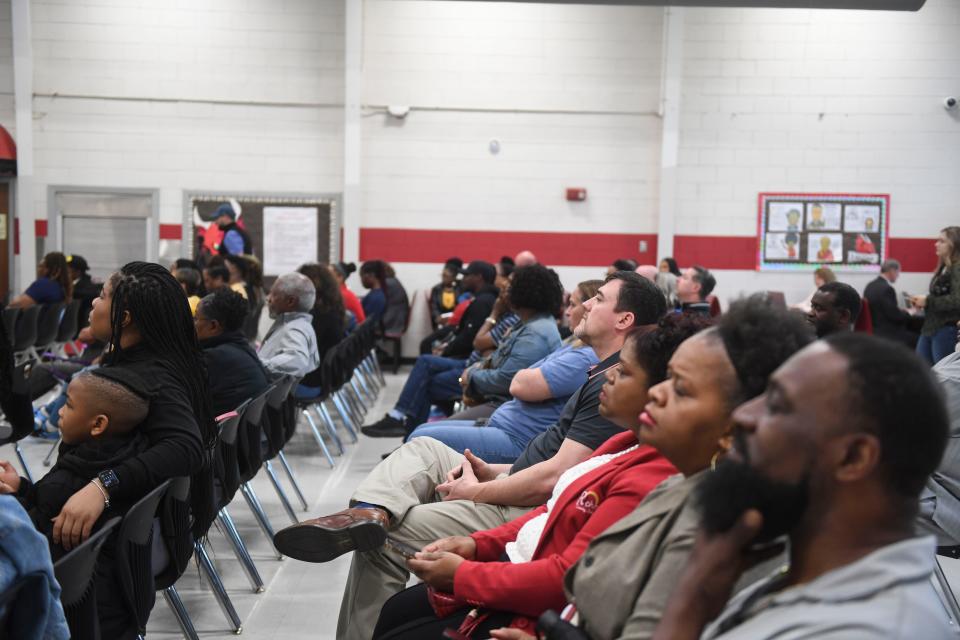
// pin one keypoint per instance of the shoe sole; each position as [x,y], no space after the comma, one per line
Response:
[313,543]
[382,434]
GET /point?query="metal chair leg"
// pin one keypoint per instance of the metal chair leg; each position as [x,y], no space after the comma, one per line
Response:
[347,408]
[331,426]
[284,500]
[346,423]
[240,550]
[180,613]
[370,375]
[319,438]
[949,599]
[376,367]
[368,395]
[23,461]
[259,515]
[363,406]
[49,456]
[219,591]
[353,402]
[346,417]
[293,479]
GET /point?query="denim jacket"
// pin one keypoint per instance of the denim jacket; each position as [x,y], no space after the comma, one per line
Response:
[528,343]
[38,615]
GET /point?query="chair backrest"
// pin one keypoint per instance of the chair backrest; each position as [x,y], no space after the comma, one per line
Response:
[26,333]
[10,315]
[251,324]
[48,324]
[715,309]
[229,427]
[134,555]
[276,420]
[249,448]
[170,556]
[864,323]
[279,392]
[26,587]
[75,573]
[70,322]
[226,464]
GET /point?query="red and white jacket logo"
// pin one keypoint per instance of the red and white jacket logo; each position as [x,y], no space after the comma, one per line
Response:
[588,501]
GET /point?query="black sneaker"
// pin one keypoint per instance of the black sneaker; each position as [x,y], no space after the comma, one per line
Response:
[386,427]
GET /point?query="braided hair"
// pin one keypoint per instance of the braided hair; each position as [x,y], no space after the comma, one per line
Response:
[159,310]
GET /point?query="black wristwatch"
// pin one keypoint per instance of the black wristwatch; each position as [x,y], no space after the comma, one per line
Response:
[109,479]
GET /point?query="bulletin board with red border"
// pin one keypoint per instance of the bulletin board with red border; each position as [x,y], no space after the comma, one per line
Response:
[805,231]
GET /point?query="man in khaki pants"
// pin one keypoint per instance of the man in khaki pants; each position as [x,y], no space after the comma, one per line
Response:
[425,490]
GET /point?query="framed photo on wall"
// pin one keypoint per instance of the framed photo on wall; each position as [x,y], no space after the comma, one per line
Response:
[804,231]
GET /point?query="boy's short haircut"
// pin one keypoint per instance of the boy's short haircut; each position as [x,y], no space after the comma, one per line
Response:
[118,400]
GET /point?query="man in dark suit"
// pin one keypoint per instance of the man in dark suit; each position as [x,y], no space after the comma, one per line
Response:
[889,320]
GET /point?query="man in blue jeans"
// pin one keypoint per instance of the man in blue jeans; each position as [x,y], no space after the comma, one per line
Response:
[539,395]
[435,378]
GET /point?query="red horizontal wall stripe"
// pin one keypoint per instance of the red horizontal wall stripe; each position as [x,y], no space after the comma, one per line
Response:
[40,228]
[914,254]
[716,252]
[552,248]
[171,232]
[592,249]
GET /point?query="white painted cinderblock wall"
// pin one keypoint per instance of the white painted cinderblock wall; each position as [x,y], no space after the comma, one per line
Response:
[219,94]
[819,101]
[192,95]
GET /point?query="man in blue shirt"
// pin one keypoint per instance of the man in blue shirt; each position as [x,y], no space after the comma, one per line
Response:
[235,240]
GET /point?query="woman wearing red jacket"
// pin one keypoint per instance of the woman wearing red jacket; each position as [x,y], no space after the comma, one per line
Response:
[514,573]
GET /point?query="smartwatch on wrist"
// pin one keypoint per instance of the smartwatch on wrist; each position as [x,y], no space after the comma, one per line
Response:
[108,479]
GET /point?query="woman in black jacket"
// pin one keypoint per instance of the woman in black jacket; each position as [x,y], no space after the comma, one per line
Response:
[329,322]
[142,314]
[238,372]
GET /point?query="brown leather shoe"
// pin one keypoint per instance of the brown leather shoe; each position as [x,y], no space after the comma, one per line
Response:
[323,539]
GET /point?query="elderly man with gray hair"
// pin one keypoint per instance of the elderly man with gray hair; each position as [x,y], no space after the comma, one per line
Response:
[290,346]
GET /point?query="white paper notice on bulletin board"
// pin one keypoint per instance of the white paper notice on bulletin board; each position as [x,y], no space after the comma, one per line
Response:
[289,238]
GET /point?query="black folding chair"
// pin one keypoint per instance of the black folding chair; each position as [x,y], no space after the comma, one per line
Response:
[75,573]
[25,335]
[10,315]
[48,324]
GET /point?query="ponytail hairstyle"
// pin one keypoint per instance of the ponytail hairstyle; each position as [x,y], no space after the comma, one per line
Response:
[159,310]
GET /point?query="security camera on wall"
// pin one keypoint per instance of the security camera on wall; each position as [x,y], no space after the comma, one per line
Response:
[950,103]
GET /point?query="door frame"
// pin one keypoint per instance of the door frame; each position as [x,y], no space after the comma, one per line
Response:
[55,218]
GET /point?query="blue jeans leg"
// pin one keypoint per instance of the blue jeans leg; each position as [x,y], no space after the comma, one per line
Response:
[414,401]
[488,443]
[938,346]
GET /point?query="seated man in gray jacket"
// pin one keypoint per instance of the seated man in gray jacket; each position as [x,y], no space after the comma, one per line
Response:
[290,346]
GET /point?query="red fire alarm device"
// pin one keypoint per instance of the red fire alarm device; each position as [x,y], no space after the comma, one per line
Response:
[576,194]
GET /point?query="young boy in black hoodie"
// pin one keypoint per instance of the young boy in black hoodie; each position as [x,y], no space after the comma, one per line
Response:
[97,424]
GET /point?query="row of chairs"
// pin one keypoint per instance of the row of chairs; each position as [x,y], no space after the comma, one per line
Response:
[40,328]
[251,438]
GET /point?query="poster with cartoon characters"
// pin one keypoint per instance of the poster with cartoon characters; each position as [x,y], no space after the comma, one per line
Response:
[805,231]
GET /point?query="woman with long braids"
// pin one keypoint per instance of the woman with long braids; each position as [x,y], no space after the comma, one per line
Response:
[143,315]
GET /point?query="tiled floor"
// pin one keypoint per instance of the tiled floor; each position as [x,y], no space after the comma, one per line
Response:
[301,600]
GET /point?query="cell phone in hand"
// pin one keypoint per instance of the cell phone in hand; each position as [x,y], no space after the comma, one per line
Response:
[398,546]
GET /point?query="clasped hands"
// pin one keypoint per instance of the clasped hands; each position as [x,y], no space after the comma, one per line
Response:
[437,563]
[463,481]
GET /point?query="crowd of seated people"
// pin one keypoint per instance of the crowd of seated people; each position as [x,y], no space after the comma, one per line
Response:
[662,473]
[621,537]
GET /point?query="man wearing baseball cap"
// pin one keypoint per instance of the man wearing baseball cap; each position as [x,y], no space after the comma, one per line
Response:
[435,378]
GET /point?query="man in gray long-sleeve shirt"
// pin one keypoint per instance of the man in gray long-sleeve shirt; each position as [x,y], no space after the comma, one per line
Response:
[834,455]
[290,346]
